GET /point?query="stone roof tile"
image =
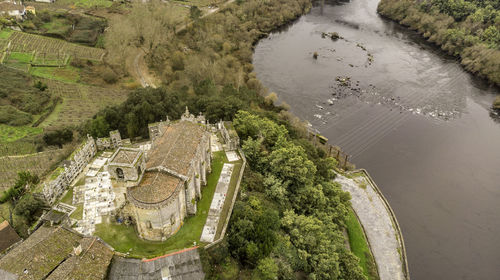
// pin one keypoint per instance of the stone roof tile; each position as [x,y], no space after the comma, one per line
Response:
[177,146]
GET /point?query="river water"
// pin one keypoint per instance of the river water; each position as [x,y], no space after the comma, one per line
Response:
[408,114]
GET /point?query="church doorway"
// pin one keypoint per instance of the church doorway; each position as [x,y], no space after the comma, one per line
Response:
[119,173]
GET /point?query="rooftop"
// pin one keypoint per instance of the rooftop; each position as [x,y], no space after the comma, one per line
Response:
[185,264]
[125,156]
[41,253]
[176,148]
[8,236]
[49,254]
[155,187]
[92,263]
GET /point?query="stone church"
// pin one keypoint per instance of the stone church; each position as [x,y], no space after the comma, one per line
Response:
[173,174]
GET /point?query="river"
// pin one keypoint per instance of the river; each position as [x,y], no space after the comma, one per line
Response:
[411,116]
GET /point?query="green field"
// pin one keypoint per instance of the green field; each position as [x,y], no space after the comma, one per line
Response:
[124,238]
[66,74]
[359,246]
[13,133]
[5,33]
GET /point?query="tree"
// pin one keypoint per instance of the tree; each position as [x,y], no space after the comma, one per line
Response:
[148,26]
[266,269]
[99,127]
[194,13]
[58,137]
[23,183]
[27,206]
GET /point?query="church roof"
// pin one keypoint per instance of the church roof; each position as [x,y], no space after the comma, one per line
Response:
[177,146]
[155,187]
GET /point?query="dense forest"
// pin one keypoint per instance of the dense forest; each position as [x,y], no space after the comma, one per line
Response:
[289,218]
[469,29]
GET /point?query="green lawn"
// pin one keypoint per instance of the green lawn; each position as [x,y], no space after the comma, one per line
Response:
[20,57]
[68,197]
[13,133]
[5,33]
[78,214]
[124,238]
[359,246]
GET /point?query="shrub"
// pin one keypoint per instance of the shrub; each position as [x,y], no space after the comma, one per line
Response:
[109,76]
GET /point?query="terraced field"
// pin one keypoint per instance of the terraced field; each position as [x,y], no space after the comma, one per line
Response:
[25,42]
[80,102]
[39,163]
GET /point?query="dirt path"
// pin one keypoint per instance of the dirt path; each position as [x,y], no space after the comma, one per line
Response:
[379,226]
[141,70]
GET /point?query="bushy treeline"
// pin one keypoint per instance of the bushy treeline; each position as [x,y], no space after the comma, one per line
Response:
[145,106]
[21,205]
[466,28]
[290,217]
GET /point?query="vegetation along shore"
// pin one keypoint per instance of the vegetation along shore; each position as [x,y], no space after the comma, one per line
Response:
[468,29]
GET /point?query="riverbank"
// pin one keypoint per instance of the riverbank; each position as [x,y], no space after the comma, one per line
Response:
[379,223]
[466,38]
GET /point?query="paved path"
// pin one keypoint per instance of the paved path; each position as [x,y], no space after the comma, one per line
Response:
[210,228]
[378,225]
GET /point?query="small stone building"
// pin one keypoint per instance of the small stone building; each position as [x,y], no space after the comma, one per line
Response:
[176,168]
[127,164]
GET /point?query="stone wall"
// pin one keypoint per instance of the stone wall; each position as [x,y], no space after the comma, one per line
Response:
[114,141]
[53,189]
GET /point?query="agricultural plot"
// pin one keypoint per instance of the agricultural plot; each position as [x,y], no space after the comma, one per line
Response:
[50,59]
[80,102]
[38,163]
[45,46]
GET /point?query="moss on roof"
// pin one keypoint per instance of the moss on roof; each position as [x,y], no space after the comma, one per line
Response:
[49,254]
[38,255]
[92,263]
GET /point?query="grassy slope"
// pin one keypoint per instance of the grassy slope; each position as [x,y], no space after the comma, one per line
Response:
[124,238]
[359,246]
[14,133]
